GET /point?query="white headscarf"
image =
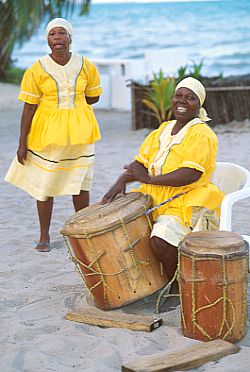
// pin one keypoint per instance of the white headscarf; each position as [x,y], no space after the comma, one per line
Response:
[59,22]
[199,89]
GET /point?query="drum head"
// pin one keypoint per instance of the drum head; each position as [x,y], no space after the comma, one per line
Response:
[100,218]
[213,242]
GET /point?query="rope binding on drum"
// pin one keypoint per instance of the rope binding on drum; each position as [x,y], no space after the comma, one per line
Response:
[164,294]
[224,298]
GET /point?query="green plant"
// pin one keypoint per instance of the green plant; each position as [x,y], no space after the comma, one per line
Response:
[196,70]
[21,18]
[159,96]
[221,76]
[181,73]
[13,75]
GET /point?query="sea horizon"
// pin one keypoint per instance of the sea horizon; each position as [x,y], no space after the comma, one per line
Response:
[216,32]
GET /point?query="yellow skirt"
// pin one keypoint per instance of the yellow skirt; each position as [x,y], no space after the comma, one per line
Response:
[54,171]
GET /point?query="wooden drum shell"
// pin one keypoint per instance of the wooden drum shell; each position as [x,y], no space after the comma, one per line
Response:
[119,274]
[213,288]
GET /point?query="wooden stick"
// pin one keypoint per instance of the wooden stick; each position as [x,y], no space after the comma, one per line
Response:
[188,358]
[114,319]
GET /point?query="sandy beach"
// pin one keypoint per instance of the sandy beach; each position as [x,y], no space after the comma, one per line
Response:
[38,289]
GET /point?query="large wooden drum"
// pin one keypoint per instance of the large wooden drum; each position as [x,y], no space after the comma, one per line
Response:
[112,250]
[213,273]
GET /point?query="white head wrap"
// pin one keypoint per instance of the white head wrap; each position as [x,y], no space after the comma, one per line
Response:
[59,22]
[199,89]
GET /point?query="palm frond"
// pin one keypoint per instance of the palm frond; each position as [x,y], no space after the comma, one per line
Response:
[153,107]
[159,96]
[21,18]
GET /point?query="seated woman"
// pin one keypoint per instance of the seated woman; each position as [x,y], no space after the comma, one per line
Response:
[178,158]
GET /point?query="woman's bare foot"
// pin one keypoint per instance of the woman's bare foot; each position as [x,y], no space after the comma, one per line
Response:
[43,246]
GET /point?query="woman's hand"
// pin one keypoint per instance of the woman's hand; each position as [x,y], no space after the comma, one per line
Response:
[118,188]
[134,172]
[138,172]
[92,100]
[22,154]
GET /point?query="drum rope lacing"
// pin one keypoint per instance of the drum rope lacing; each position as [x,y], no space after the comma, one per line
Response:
[195,311]
[168,287]
[164,290]
[224,298]
[78,263]
[132,255]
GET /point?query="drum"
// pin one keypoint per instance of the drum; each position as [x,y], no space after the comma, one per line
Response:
[213,273]
[111,248]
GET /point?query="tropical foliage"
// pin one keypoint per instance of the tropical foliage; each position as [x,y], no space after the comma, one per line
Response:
[182,72]
[160,92]
[13,75]
[159,96]
[21,18]
[194,70]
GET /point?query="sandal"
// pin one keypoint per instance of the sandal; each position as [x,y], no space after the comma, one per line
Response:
[43,247]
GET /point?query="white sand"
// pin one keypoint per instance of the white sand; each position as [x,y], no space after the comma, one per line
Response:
[38,289]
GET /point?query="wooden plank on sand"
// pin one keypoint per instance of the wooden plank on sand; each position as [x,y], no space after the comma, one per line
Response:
[114,319]
[190,357]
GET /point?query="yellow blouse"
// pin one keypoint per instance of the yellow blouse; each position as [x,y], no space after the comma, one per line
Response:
[194,146]
[63,115]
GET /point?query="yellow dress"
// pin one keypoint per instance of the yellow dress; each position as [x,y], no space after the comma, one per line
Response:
[194,146]
[63,131]
[63,116]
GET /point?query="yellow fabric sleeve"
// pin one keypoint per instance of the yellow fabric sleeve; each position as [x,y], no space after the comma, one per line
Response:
[29,91]
[200,151]
[93,88]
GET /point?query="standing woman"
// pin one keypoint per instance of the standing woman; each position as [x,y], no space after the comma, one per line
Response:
[58,128]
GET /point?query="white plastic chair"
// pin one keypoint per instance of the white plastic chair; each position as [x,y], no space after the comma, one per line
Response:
[234,181]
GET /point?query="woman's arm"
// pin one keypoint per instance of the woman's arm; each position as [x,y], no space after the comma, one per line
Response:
[137,172]
[92,100]
[177,178]
[27,116]
[119,186]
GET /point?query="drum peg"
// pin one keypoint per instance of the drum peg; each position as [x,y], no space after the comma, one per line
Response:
[131,245]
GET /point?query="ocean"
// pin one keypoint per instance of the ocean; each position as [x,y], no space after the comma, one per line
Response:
[217,32]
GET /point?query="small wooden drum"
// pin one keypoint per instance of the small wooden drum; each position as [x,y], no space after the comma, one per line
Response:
[112,251]
[213,271]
